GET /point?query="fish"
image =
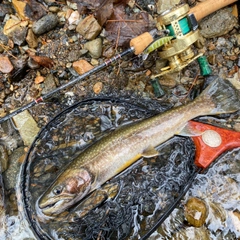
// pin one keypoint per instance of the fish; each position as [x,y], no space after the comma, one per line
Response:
[122,147]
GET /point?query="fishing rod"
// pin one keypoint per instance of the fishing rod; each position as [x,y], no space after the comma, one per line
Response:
[179,22]
[137,45]
[79,78]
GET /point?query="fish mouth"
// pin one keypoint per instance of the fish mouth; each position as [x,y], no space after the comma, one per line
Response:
[54,206]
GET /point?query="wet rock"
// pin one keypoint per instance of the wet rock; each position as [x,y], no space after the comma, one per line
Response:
[196,212]
[190,233]
[82,66]
[97,88]
[31,39]
[89,28]
[45,24]
[49,84]
[26,126]
[218,24]
[94,47]
[217,216]
[5,66]
[163,5]
[11,173]
[3,158]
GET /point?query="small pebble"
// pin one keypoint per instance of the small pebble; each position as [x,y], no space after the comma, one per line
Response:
[94,62]
[54,9]
[68,65]
[97,88]
[39,79]
[82,66]
[45,24]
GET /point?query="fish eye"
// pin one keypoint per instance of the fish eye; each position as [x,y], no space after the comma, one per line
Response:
[57,190]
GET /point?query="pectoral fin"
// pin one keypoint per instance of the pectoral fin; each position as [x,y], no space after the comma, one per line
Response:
[189,131]
[150,152]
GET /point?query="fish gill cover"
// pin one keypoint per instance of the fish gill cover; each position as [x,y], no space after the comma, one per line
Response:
[146,189]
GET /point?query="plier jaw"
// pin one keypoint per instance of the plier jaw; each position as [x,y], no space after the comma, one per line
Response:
[212,142]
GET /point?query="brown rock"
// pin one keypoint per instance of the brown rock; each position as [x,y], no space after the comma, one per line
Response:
[5,65]
[31,39]
[39,79]
[20,7]
[97,88]
[9,26]
[89,28]
[82,66]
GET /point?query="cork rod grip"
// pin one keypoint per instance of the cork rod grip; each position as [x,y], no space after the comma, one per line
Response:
[203,9]
[141,42]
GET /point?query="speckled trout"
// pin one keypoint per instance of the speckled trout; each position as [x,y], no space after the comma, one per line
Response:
[118,150]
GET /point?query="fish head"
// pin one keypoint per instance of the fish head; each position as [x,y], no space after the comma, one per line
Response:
[70,187]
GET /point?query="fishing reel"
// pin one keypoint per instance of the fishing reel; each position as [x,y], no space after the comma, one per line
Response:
[183,28]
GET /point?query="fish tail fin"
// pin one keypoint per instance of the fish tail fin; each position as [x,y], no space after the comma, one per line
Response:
[222,95]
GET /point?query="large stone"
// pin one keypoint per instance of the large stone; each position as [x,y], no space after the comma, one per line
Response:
[89,28]
[94,47]
[26,126]
[163,5]
[218,23]
[45,24]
